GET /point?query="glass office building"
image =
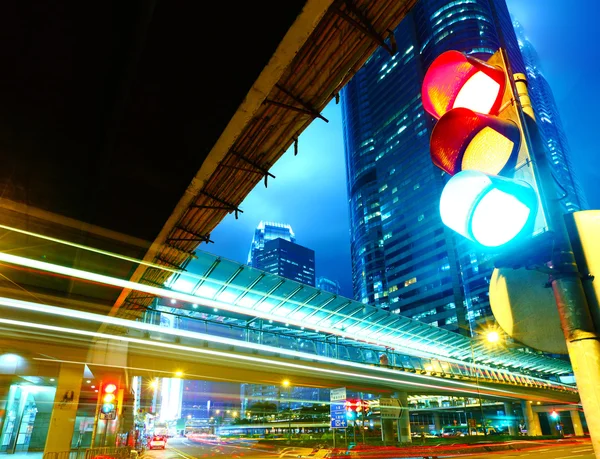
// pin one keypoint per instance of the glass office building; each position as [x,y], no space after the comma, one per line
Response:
[550,126]
[267,231]
[403,258]
[286,259]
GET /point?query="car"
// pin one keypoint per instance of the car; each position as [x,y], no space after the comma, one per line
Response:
[157,442]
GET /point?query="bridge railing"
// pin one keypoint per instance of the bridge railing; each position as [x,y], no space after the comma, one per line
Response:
[355,352]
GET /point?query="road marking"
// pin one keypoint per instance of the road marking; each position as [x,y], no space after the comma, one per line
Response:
[567,457]
[582,450]
[181,453]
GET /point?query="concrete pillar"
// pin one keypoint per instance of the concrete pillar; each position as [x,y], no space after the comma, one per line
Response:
[577,425]
[64,412]
[387,429]
[404,421]
[4,389]
[437,423]
[531,419]
[510,417]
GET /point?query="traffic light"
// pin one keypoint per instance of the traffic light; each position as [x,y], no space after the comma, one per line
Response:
[108,402]
[479,140]
[352,409]
[554,415]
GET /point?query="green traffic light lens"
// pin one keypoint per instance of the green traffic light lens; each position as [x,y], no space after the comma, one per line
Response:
[487,209]
[498,218]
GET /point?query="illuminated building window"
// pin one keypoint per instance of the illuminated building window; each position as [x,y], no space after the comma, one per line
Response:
[410,281]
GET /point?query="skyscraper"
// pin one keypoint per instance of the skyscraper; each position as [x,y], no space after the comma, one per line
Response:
[403,258]
[275,251]
[286,259]
[328,285]
[550,126]
[267,231]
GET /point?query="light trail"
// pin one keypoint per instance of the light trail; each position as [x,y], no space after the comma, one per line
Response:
[163,292]
[97,318]
[400,341]
[189,298]
[244,358]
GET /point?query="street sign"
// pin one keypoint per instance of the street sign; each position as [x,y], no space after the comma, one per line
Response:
[338,415]
[338,408]
[337,394]
[390,408]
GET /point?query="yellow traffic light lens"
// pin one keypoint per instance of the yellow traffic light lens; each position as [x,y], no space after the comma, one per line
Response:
[108,398]
[489,151]
[498,218]
[479,94]
[110,388]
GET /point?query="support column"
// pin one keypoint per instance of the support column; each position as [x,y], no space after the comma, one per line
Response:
[3,402]
[577,425]
[387,429]
[64,411]
[510,416]
[531,419]
[404,420]
[437,423]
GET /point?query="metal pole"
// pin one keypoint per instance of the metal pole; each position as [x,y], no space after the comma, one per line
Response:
[96,415]
[575,317]
[474,369]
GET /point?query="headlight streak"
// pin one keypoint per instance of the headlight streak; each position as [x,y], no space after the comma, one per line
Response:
[225,356]
[194,276]
[396,343]
[158,291]
[97,318]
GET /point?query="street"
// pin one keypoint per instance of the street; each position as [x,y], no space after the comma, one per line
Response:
[580,451]
[179,447]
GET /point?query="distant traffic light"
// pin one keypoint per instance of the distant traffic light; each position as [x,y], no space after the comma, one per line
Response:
[108,402]
[353,409]
[492,196]
[554,415]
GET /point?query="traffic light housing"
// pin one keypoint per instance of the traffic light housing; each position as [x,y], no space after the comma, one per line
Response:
[108,401]
[479,140]
[353,408]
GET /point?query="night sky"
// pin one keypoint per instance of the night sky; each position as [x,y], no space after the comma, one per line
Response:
[309,192]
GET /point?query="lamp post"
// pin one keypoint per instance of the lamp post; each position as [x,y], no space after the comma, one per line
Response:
[492,337]
[286,384]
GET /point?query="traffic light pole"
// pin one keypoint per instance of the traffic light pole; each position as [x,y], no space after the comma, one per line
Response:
[576,320]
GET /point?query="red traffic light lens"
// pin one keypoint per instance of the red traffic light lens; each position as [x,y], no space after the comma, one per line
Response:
[465,140]
[456,80]
[109,388]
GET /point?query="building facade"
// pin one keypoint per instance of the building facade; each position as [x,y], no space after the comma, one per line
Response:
[403,258]
[550,126]
[286,259]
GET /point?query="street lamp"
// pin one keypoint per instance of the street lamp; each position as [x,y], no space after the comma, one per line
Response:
[286,383]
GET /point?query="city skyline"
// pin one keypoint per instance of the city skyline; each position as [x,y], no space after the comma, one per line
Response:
[315,180]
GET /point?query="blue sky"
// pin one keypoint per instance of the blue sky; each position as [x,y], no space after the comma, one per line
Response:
[309,192]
